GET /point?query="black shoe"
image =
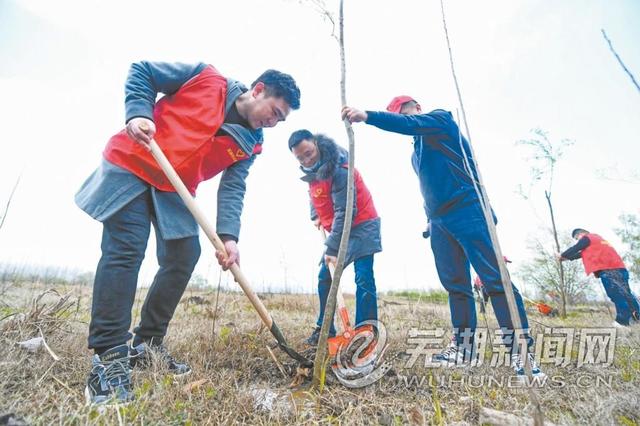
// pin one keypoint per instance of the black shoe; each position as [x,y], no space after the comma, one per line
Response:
[145,355]
[315,336]
[313,339]
[110,378]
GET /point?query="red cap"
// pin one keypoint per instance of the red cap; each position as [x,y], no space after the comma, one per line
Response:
[506,259]
[397,102]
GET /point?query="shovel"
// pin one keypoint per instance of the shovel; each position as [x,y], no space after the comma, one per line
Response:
[197,213]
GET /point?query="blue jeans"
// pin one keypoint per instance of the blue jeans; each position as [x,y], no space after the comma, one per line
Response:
[616,284]
[366,299]
[460,239]
[124,241]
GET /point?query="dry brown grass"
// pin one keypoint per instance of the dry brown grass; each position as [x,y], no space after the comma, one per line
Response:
[235,380]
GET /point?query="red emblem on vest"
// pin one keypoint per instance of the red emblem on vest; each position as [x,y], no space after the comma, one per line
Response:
[320,191]
[186,124]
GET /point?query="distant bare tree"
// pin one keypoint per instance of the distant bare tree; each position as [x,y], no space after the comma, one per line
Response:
[543,271]
[544,157]
[198,281]
[629,232]
[617,174]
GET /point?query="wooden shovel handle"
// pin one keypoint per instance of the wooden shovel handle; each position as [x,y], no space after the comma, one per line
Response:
[206,226]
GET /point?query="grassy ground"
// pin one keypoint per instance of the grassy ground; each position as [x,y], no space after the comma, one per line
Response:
[235,380]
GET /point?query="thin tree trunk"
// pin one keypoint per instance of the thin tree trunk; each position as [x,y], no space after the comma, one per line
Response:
[320,364]
[563,288]
[538,417]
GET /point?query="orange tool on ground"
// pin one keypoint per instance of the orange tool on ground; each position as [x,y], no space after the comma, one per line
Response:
[341,339]
[543,308]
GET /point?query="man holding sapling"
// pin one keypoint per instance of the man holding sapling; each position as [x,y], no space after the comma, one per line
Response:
[458,230]
[601,259]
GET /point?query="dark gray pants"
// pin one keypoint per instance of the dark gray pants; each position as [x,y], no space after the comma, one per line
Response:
[124,241]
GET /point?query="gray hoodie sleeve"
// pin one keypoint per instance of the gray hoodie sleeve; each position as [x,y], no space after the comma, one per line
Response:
[339,198]
[147,79]
[231,199]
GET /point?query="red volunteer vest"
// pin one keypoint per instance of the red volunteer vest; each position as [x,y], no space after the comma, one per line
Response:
[599,255]
[186,124]
[320,192]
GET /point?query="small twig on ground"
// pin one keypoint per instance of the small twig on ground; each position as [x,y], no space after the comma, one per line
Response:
[278,364]
[45,373]
[120,422]
[64,385]
[215,308]
[44,343]
[192,386]
[415,305]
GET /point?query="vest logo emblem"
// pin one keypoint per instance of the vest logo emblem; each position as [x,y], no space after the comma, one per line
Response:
[235,156]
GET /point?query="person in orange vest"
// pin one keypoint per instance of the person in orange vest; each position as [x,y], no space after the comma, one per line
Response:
[324,164]
[206,123]
[601,259]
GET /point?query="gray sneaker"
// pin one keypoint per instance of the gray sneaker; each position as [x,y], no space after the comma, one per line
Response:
[109,381]
[145,355]
[517,363]
[451,356]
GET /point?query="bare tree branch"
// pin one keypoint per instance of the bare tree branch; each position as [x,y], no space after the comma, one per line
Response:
[633,80]
[545,155]
[614,173]
[6,209]
[321,8]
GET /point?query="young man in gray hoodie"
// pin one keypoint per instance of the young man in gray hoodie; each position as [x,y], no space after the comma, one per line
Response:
[206,124]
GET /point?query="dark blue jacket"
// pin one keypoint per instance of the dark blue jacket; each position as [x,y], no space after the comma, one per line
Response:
[438,158]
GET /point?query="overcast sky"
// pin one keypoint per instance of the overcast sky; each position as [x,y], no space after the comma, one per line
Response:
[521,64]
